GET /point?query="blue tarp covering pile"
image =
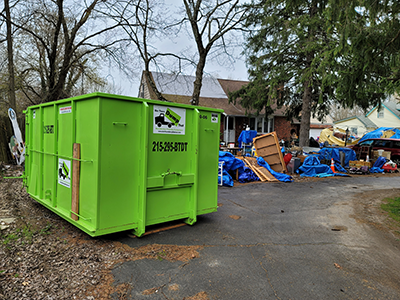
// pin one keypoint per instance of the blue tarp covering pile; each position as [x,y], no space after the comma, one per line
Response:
[246,136]
[377,133]
[377,167]
[312,167]
[279,176]
[248,175]
[328,153]
[231,163]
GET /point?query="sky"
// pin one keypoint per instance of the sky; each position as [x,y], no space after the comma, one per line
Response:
[182,42]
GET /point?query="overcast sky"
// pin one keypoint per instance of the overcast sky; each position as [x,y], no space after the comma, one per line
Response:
[227,70]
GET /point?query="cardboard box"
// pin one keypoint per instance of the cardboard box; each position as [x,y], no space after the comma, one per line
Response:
[359,164]
[386,154]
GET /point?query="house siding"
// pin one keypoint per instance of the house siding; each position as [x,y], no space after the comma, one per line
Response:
[388,120]
[361,129]
[282,127]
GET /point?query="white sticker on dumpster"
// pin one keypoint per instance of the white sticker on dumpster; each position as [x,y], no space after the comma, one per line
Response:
[65,110]
[169,120]
[64,172]
[214,118]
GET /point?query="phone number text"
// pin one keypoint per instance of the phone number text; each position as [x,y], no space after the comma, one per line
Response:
[170,146]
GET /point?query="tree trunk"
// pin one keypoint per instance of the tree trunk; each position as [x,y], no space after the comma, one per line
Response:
[10,54]
[305,116]
[152,84]
[199,79]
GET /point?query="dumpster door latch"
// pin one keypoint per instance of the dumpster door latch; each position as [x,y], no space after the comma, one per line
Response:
[170,173]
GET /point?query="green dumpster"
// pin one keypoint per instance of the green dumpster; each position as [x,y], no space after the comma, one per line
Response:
[109,163]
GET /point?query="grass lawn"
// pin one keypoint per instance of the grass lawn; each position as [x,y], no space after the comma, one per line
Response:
[392,206]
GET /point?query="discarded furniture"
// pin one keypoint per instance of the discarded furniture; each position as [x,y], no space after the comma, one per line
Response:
[267,146]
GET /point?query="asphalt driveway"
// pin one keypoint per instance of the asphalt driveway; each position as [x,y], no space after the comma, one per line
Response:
[301,240]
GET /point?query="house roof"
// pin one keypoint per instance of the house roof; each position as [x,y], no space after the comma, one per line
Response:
[178,84]
[363,119]
[214,93]
[392,107]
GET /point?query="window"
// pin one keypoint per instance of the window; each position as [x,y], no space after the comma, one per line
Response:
[354,131]
[366,143]
[396,144]
[252,124]
[381,143]
[380,114]
[264,125]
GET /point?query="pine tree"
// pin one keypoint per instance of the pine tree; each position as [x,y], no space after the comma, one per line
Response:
[369,68]
[291,59]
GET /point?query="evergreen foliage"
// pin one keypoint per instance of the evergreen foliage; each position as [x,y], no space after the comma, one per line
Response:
[369,69]
[291,58]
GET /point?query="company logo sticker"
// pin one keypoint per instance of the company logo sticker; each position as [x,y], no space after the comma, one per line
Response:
[169,120]
[65,110]
[48,129]
[214,118]
[64,172]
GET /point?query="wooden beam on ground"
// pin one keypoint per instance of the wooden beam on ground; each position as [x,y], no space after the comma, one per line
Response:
[251,161]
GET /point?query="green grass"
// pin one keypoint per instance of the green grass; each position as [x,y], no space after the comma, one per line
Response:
[392,206]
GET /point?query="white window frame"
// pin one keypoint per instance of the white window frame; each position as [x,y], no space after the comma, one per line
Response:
[270,124]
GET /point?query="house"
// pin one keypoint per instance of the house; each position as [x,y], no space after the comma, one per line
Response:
[388,115]
[214,94]
[317,126]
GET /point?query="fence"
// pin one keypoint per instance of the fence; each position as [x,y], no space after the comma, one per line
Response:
[6,132]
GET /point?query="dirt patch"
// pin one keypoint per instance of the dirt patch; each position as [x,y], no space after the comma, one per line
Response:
[199,296]
[235,217]
[45,257]
[367,209]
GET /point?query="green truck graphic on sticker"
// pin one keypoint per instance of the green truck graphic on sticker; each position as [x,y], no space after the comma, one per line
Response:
[172,119]
[64,171]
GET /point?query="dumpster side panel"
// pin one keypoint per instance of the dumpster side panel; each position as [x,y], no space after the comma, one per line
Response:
[49,174]
[170,167]
[119,164]
[208,162]
[64,161]
[33,142]
[87,135]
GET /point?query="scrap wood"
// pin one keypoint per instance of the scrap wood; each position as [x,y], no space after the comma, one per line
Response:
[251,161]
[249,165]
[259,175]
[267,146]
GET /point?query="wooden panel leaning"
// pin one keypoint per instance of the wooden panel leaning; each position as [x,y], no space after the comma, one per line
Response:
[267,146]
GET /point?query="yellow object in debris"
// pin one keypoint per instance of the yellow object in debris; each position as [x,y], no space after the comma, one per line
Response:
[326,135]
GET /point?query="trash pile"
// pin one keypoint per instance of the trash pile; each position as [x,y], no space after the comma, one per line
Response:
[270,162]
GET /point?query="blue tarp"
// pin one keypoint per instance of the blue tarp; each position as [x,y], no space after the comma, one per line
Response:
[279,176]
[377,133]
[312,167]
[328,153]
[248,175]
[377,167]
[246,136]
[231,163]
[226,179]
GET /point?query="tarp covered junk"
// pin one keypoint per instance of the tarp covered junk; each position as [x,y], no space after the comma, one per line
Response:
[382,132]
[312,167]
[279,176]
[246,136]
[329,153]
[231,163]
[248,175]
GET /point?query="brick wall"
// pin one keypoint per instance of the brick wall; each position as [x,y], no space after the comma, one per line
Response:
[282,127]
